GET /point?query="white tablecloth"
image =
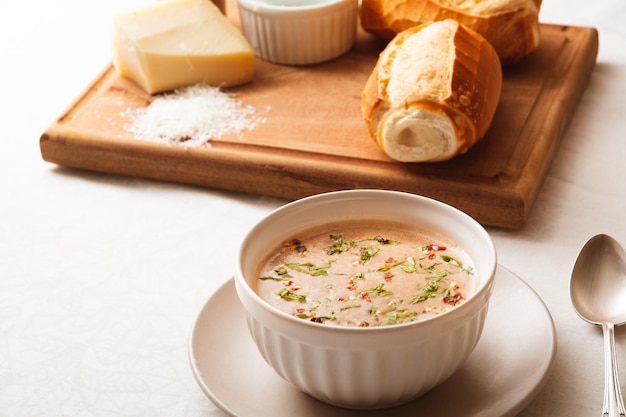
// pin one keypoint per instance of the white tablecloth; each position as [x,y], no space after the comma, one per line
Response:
[101,276]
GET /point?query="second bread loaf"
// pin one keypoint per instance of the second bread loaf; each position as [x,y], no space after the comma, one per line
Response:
[511,26]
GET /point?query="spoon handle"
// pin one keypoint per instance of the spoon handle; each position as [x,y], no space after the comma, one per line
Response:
[612,390]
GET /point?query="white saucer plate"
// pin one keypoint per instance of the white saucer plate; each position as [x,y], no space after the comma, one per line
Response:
[507,369]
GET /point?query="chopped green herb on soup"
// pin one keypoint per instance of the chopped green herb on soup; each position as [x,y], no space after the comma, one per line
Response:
[370,273]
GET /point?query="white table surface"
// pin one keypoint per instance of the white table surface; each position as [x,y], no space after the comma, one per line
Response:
[101,276]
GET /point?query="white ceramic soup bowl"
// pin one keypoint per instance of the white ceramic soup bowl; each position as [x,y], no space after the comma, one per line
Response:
[372,367]
[299,32]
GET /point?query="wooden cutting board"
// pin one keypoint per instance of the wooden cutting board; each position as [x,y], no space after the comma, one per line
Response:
[314,139]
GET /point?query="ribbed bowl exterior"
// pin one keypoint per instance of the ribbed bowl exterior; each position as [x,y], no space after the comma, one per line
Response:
[292,36]
[366,373]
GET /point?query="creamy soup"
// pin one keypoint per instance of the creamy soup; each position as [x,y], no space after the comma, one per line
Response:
[366,274]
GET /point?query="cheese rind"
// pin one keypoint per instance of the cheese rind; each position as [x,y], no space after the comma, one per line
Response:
[177,43]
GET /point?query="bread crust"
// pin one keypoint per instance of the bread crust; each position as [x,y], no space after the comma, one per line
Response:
[469,106]
[512,30]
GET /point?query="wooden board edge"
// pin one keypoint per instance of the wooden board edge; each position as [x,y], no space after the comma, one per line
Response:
[534,162]
[278,175]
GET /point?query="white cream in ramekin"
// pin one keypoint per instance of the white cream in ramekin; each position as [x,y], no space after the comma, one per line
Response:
[299,32]
[373,367]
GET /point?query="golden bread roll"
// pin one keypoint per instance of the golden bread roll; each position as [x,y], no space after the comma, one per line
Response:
[433,92]
[511,26]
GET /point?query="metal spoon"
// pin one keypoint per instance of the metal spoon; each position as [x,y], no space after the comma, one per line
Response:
[598,293]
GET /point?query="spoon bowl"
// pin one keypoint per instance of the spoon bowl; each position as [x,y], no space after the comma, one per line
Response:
[598,294]
[598,285]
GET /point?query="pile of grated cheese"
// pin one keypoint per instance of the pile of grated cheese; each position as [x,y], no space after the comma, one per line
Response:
[192,116]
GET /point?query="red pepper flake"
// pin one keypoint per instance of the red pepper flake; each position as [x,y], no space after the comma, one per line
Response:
[291,244]
[434,247]
[390,260]
[296,245]
[388,276]
[342,299]
[453,299]
[365,296]
[432,255]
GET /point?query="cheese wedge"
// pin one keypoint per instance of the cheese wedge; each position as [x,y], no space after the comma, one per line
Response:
[177,43]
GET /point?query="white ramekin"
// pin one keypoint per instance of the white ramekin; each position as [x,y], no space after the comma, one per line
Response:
[373,367]
[299,32]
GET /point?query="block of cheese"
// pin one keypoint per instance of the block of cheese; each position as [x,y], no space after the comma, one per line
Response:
[177,43]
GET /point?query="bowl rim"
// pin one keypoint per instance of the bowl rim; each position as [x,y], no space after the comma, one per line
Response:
[484,290]
[265,7]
